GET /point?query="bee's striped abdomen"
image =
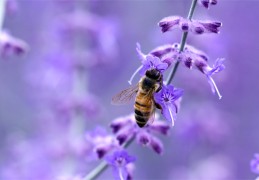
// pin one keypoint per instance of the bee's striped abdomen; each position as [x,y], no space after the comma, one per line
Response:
[143,109]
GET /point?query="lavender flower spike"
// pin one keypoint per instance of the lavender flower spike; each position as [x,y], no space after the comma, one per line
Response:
[148,62]
[119,161]
[167,98]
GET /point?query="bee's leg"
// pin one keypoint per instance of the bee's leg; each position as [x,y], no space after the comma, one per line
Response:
[158,106]
[158,87]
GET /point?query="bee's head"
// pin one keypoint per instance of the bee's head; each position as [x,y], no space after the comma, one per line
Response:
[153,74]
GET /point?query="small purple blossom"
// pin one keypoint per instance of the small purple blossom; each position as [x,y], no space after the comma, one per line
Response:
[186,25]
[101,141]
[125,128]
[11,45]
[167,98]
[207,3]
[169,23]
[193,58]
[160,51]
[120,160]
[148,62]
[255,164]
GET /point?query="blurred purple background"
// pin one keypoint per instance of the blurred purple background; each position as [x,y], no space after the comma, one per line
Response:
[212,139]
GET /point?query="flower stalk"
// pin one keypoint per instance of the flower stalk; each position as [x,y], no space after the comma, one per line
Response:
[182,44]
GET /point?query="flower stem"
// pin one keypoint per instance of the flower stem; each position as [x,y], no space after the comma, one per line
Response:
[2,13]
[103,165]
[183,42]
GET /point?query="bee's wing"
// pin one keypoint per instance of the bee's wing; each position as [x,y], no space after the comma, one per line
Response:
[125,96]
[153,107]
[153,113]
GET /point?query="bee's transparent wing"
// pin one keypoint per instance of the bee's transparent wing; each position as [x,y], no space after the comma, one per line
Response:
[125,96]
[150,95]
[153,113]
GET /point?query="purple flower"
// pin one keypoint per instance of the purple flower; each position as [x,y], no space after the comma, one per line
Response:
[120,160]
[11,45]
[186,25]
[148,62]
[200,27]
[191,58]
[255,164]
[160,51]
[125,128]
[167,98]
[169,23]
[207,3]
[102,143]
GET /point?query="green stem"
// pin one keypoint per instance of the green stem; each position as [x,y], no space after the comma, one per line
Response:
[2,13]
[183,42]
[103,165]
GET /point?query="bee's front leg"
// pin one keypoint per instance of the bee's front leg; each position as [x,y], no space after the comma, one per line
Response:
[158,87]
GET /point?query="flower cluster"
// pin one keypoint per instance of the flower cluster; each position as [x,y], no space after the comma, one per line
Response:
[126,128]
[191,58]
[109,148]
[186,25]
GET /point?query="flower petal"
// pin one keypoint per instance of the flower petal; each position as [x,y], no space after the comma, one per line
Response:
[169,23]
[169,112]
[213,86]
[156,145]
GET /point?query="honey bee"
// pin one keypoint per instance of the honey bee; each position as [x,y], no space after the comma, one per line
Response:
[145,104]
